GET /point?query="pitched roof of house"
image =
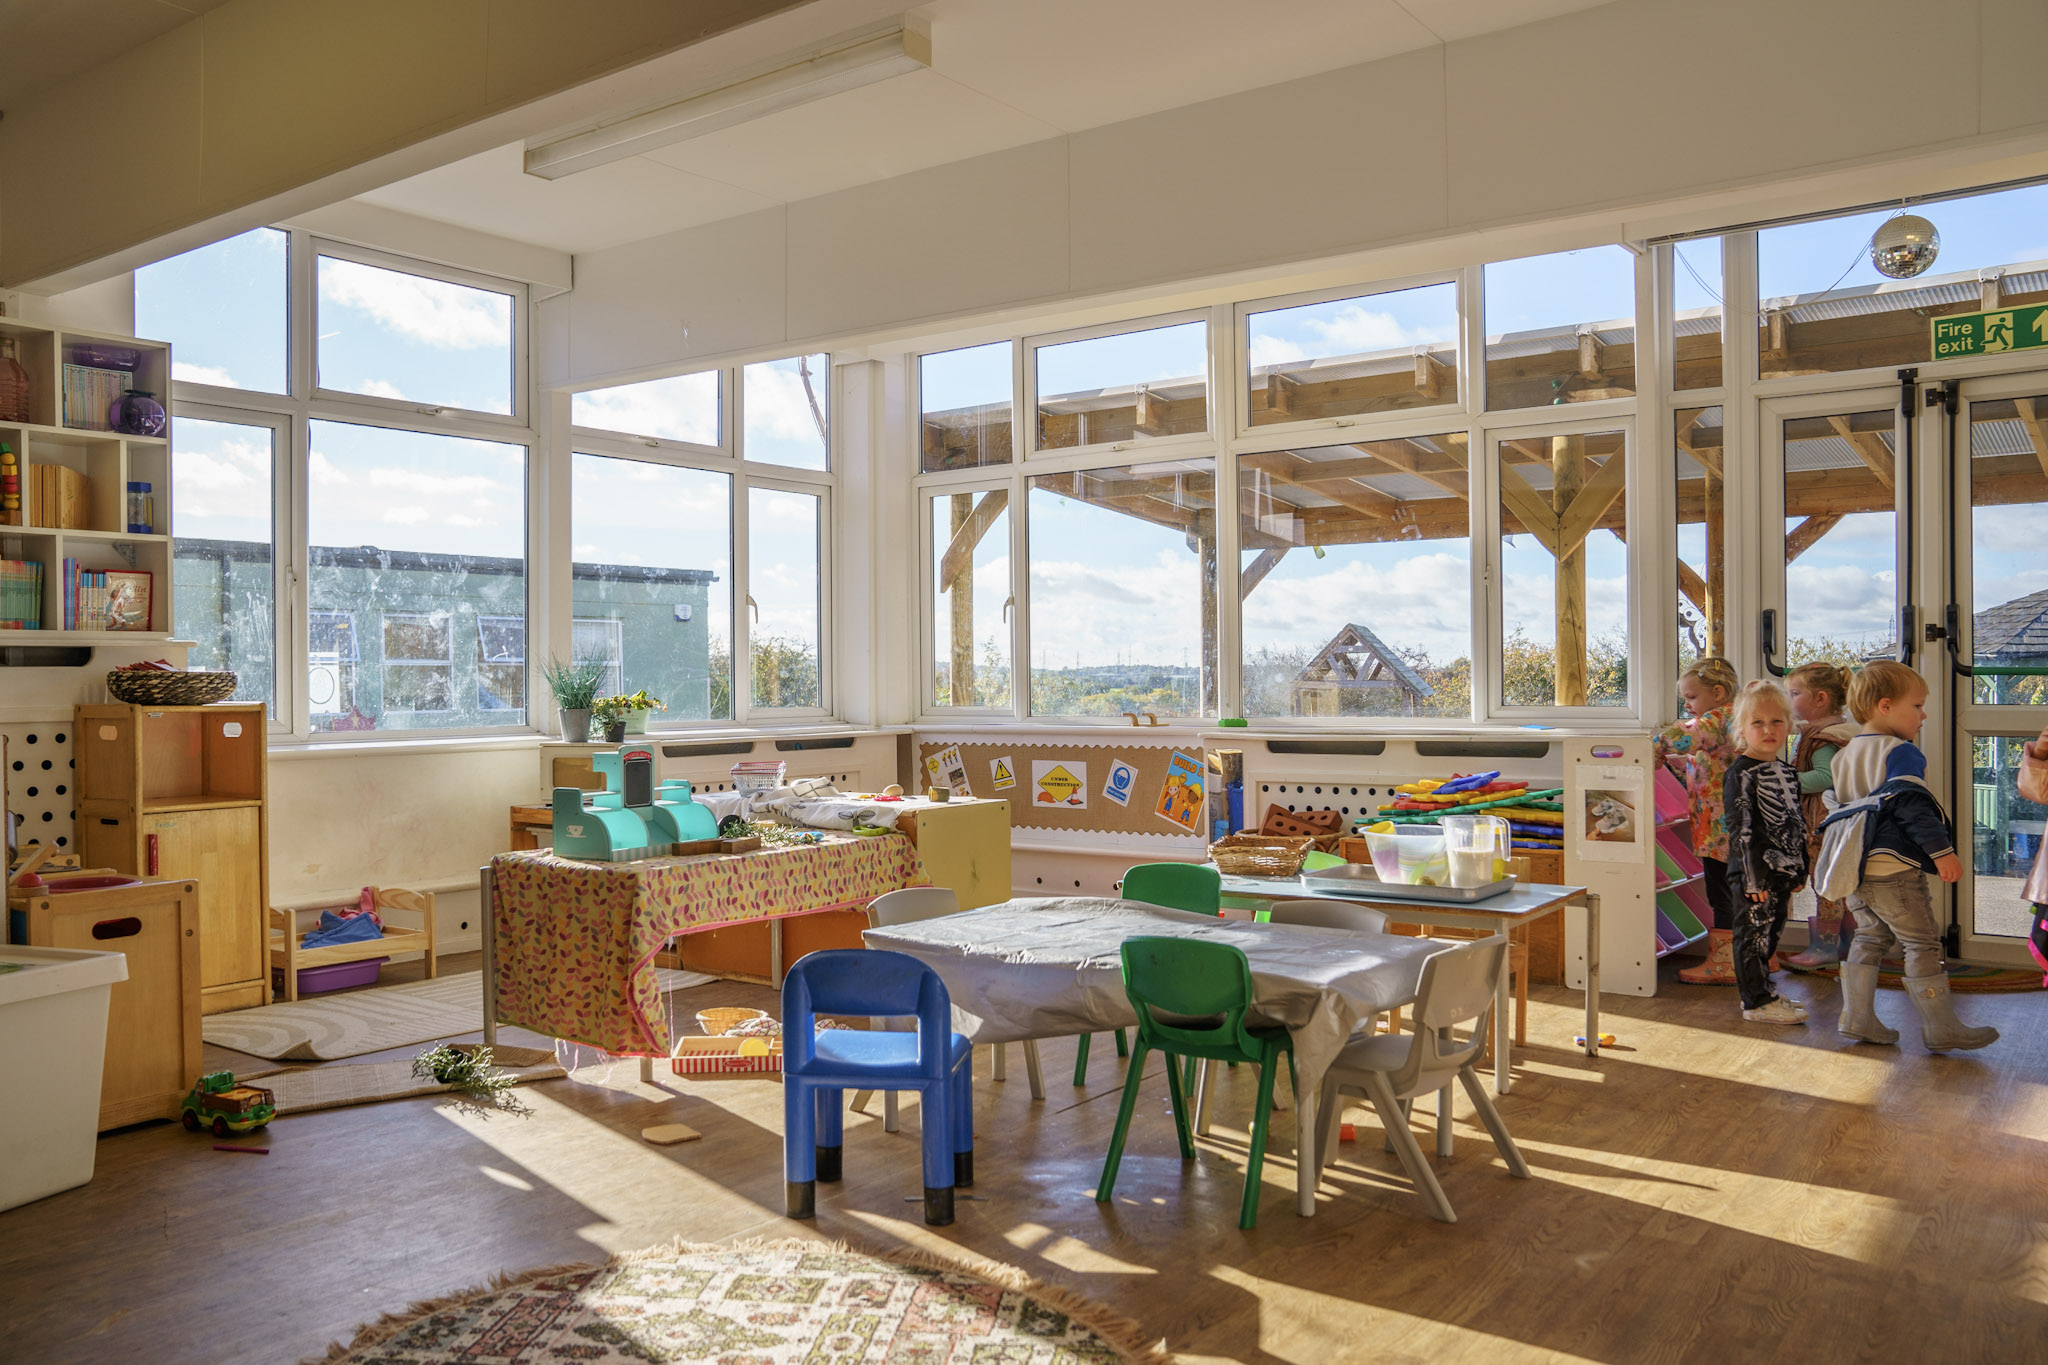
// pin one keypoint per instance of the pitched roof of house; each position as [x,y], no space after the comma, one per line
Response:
[2012,630]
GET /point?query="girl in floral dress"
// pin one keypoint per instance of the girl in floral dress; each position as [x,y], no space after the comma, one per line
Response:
[1699,748]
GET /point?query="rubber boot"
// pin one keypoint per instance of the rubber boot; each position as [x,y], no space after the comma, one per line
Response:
[1939,1027]
[1719,968]
[1859,1006]
[1820,949]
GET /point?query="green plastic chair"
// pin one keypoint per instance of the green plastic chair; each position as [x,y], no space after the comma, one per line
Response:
[1191,998]
[1177,886]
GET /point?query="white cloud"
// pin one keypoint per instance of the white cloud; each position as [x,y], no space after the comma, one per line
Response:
[379,388]
[778,407]
[1840,601]
[413,480]
[1350,330]
[404,516]
[1267,349]
[440,314]
[325,471]
[684,408]
[1420,601]
[202,374]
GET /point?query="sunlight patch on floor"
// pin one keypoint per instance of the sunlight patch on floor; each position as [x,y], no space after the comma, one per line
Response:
[2027,1114]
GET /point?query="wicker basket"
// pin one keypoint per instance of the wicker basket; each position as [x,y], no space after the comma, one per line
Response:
[155,687]
[1259,855]
[716,1021]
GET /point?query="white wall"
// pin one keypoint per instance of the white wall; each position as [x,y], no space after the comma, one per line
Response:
[1636,118]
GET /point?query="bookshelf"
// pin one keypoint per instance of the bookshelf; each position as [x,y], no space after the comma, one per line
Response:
[101,465]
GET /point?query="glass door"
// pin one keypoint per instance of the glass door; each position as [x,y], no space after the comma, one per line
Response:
[1999,474]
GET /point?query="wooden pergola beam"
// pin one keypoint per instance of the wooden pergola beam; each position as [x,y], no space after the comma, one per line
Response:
[1869,447]
[959,556]
[1710,463]
[1255,572]
[2037,428]
[1589,505]
[1692,586]
[1807,534]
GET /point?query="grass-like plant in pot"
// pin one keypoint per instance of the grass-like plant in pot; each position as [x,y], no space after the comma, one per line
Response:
[575,684]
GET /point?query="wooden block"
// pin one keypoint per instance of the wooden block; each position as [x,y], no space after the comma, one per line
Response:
[668,1134]
[746,845]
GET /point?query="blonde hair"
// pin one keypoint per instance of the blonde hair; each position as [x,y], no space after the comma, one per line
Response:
[1758,696]
[1823,677]
[1881,681]
[1714,673]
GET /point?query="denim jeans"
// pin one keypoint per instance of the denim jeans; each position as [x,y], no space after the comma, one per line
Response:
[1897,909]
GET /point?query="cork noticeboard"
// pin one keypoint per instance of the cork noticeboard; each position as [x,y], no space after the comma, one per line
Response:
[1136,770]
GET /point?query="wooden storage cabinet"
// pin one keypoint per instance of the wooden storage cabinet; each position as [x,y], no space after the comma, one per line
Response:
[182,792]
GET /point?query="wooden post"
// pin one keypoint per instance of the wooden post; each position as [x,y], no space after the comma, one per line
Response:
[1716,606]
[1203,538]
[961,591]
[1567,472]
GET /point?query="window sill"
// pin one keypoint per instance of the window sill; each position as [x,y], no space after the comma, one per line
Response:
[725,734]
[282,750]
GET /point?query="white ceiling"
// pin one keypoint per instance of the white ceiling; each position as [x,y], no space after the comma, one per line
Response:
[1003,74]
[43,42]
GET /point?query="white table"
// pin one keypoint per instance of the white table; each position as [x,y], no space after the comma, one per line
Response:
[1499,914]
[1047,968]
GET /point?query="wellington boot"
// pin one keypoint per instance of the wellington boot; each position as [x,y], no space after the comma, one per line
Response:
[1719,968]
[1939,1027]
[1819,951]
[1859,1006]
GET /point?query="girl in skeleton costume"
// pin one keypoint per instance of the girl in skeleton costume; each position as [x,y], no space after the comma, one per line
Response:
[1766,847]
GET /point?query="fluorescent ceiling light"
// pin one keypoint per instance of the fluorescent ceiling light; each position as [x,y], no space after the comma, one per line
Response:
[848,66]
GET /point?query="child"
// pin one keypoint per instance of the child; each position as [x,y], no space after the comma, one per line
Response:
[1702,742]
[1766,847]
[1907,838]
[2034,787]
[1819,693]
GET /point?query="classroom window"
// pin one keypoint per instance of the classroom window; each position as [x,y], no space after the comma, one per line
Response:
[1696,309]
[971,600]
[500,663]
[784,544]
[413,338]
[1841,538]
[413,526]
[651,566]
[331,659]
[788,407]
[2008,574]
[225,309]
[1135,385]
[1123,590]
[1702,609]
[964,398]
[1825,308]
[223,575]
[1373,353]
[1561,328]
[1356,579]
[1564,569]
[684,407]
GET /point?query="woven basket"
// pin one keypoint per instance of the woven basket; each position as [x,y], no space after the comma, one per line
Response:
[716,1021]
[154,687]
[1259,855]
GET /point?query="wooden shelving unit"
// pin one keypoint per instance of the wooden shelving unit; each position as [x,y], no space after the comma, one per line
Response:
[183,792]
[109,461]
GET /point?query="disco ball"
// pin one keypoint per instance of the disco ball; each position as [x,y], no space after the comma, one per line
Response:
[1904,247]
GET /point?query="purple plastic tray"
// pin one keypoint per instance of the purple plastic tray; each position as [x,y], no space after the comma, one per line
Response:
[335,976]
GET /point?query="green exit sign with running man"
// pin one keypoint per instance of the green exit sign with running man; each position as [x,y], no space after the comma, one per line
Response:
[2008,329]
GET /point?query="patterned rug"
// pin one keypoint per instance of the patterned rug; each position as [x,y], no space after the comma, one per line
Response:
[758,1303]
[1962,976]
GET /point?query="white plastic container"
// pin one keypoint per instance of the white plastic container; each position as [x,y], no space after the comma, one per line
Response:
[53,1047]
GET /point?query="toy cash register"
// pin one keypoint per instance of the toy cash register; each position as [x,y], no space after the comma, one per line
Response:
[629,819]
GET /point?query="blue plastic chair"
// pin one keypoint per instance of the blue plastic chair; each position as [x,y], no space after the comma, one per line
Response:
[818,1068]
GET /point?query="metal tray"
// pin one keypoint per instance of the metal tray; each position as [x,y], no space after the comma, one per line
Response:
[1358,879]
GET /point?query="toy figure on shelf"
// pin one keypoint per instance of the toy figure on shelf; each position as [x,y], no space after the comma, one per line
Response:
[628,819]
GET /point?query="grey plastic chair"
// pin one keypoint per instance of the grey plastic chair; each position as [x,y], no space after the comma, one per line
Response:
[907,906]
[1458,987]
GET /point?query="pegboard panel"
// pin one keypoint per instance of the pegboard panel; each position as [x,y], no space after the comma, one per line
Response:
[843,781]
[39,781]
[1348,798]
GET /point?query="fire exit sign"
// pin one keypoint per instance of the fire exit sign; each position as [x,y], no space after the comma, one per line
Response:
[2008,329]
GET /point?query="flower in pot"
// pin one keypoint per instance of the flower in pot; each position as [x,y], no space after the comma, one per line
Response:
[610,715]
[639,707]
[574,684]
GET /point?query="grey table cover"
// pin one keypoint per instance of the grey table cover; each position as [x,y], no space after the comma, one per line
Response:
[1047,968]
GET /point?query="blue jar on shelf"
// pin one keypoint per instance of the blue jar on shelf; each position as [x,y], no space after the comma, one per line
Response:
[137,413]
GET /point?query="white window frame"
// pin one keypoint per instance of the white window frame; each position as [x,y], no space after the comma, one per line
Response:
[745,611]
[665,449]
[928,595]
[914,383]
[737,437]
[1098,452]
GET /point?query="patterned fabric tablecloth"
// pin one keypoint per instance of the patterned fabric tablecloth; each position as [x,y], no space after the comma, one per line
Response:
[575,941]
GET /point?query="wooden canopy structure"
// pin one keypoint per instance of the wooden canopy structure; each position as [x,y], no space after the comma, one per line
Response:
[1355,662]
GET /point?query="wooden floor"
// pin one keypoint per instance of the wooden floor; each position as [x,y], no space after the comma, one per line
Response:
[1709,1191]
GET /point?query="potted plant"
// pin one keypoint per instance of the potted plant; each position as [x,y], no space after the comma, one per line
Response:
[639,707]
[575,685]
[624,715]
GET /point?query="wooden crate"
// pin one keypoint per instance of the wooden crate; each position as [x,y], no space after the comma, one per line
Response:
[152,1056]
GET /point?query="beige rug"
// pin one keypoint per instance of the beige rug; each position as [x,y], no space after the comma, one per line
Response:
[355,1022]
[303,1090]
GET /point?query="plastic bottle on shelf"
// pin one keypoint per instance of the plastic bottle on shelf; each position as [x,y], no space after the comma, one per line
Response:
[14,385]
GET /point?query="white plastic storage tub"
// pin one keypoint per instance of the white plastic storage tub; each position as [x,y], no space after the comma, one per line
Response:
[53,1047]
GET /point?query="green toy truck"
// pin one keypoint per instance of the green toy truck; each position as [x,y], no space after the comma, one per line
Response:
[218,1103]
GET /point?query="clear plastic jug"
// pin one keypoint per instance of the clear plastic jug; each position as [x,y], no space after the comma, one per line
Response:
[1477,848]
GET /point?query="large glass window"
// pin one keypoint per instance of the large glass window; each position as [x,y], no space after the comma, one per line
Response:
[783,549]
[682,408]
[1564,569]
[2008,569]
[1129,386]
[971,598]
[1702,560]
[1561,328]
[1696,313]
[392,334]
[964,397]
[788,406]
[223,578]
[1375,353]
[1825,308]
[651,546]
[225,309]
[419,536]
[1841,538]
[1123,590]
[331,661]
[1357,579]
[2006,831]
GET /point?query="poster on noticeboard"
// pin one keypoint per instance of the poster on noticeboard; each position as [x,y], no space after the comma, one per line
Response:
[1181,796]
[1608,822]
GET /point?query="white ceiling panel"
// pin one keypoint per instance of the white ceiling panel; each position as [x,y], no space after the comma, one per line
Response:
[589,211]
[1451,20]
[905,124]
